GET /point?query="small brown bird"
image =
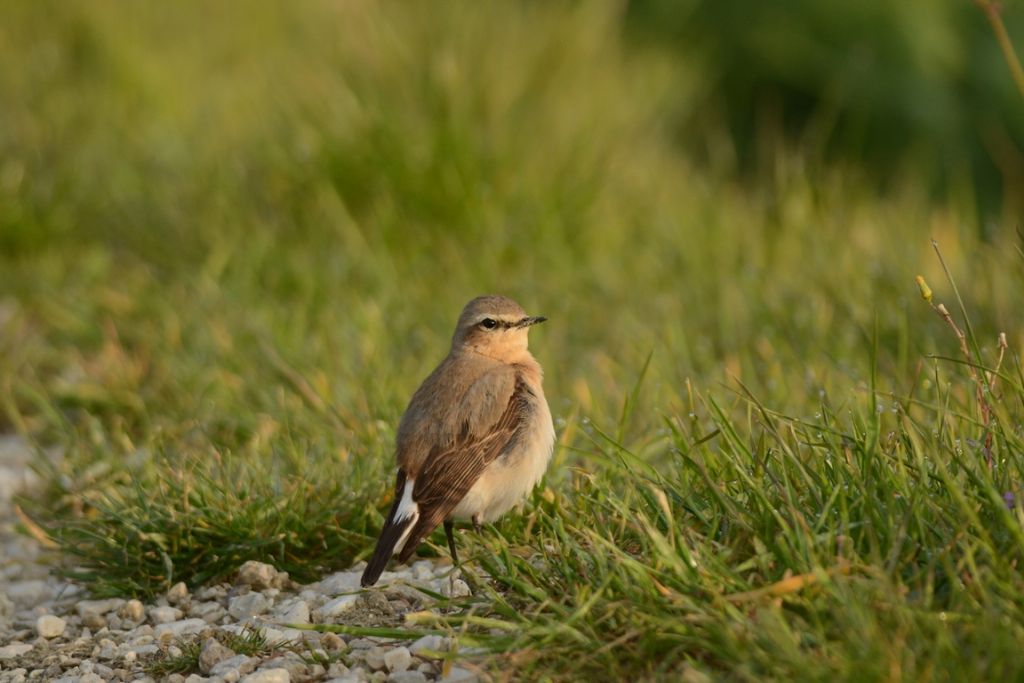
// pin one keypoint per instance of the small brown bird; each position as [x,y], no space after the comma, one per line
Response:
[477,435]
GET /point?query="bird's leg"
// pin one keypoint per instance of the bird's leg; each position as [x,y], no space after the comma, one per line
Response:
[476,524]
[451,542]
[457,569]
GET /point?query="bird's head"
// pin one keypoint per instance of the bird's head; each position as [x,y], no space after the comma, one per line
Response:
[494,326]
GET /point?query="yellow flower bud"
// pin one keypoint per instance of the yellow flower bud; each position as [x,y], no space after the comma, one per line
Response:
[926,291]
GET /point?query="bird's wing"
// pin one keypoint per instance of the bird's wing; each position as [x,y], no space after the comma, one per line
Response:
[454,465]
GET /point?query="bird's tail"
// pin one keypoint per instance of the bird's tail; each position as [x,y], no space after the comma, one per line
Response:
[394,534]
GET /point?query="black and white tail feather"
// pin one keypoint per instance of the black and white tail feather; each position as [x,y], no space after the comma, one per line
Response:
[393,537]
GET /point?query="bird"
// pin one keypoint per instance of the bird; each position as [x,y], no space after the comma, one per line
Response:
[476,437]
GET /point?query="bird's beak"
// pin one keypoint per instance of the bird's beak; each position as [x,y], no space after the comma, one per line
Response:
[532,320]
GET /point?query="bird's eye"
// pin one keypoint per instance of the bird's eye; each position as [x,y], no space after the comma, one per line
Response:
[489,323]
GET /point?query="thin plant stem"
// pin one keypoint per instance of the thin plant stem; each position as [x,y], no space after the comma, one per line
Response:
[991,10]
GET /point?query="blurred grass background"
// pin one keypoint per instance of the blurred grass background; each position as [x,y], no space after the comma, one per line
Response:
[234,238]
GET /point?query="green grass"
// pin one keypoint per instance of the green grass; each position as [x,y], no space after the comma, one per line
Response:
[251,642]
[227,261]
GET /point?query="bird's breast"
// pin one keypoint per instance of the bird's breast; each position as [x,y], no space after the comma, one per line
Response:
[511,477]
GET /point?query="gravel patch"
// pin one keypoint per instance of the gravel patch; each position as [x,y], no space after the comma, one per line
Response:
[50,631]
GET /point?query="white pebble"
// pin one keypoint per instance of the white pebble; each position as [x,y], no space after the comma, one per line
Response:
[457,589]
[248,605]
[164,615]
[423,570]
[374,657]
[341,582]
[294,611]
[239,665]
[407,677]
[49,626]
[176,629]
[132,610]
[14,650]
[260,575]
[432,643]
[98,608]
[178,593]
[268,676]
[338,606]
[397,659]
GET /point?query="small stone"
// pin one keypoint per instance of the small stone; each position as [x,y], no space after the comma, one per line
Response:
[211,612]
[268,676]
[164,615]
[14,650]
[239,664]
[212,654]
[341,582]
[141,631]
[261,575]
[338,606]
[133,610]
[397,659]
[194,678]
[361,644]
[337,670]
[374,657]
[67,661]
[26,594]
[107,650]
[141,651]
[176,629]
[248,605]
[90,678]
[407,677]
[49,626]
[178,593]
[333,642]
[432,643]
[291,662]
[98,608]
[104,671]
[211,592]
[94,621]
[294,611]
[423,570]
[456,589]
